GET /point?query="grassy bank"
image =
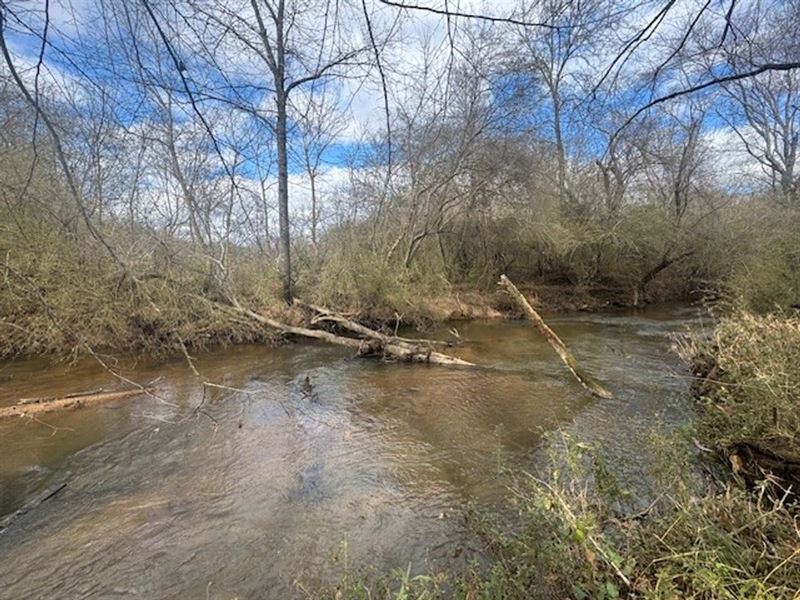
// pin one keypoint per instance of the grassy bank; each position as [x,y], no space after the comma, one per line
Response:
[64,295]
[750,385]
[64,291]
[161,315]
[720,522]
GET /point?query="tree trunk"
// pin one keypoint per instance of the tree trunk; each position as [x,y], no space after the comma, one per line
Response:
[666,262]
[312,179]
[283,197]
[376,344]
[560,152]
[325,314]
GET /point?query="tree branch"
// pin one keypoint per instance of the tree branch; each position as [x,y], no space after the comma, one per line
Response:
[765,68]
[491,19]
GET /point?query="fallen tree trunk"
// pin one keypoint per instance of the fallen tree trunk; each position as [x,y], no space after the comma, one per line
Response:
[51,398]
[375,344]
[566,356]
[31,407]
[325,314]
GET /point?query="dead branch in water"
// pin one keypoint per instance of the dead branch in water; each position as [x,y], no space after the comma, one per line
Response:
[30,407]
[325,314]
[67,396]
[373,344]
[560,347]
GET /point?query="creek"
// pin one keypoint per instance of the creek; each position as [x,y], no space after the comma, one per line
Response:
[310,463]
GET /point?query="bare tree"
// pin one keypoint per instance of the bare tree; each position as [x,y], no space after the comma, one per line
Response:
[554,56]
[299,44]
[764,111]
[320,122]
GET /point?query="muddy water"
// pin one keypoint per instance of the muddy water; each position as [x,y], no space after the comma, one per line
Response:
[318,465]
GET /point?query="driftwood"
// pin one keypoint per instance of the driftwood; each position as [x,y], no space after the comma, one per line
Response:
[40,400]
[567,358]
[373,344]
[324,314]
[34,406]
[30,505]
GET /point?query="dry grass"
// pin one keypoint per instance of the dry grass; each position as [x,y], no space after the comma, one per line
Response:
[756,387]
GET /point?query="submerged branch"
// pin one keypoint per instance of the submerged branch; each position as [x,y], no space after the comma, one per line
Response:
[30,407]
[559,346]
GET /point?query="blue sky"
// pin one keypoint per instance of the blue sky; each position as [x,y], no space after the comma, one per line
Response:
[360,103]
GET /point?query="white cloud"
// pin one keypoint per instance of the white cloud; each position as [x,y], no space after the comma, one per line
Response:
[732,166]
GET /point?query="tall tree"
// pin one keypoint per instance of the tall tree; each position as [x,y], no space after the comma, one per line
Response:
[300,43]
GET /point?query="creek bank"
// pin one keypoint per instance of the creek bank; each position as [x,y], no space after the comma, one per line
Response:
[747,381]
[468,302]
[197,324]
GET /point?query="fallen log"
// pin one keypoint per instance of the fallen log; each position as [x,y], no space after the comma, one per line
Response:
[73,401]
[39,400]
[325,314]
[375,344]
[559,346]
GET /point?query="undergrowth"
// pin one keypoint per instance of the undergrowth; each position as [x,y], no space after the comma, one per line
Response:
[754,390]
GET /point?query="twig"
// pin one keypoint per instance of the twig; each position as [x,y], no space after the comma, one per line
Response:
[53,427]
[30,505]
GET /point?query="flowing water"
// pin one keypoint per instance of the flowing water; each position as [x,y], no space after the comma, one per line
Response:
[307,463]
